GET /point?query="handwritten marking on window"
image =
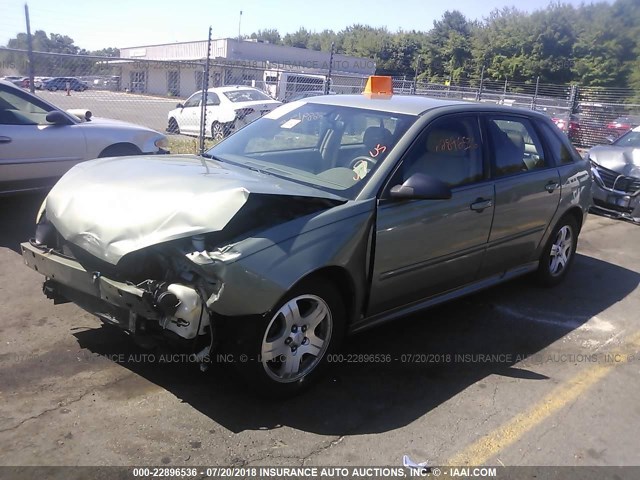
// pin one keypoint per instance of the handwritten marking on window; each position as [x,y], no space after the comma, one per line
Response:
[456,143]
[377,150]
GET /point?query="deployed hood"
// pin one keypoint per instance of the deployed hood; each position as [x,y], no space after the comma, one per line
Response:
[623,160]
[113,206]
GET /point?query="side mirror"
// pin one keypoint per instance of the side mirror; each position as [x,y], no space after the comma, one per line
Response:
[179,105]
[423,187]
[56,117]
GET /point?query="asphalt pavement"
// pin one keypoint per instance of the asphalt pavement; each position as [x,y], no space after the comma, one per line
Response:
[515,375]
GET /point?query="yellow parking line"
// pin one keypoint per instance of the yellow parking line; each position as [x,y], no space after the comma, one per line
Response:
[486,447]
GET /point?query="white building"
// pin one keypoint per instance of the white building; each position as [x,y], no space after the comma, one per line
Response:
[177,68]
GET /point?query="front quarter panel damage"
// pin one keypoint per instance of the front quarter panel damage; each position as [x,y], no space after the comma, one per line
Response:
[266,266]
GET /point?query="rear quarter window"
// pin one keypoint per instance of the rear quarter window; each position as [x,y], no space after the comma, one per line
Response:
[558,148]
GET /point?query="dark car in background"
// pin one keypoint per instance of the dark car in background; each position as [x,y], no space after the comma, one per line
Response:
[60,83]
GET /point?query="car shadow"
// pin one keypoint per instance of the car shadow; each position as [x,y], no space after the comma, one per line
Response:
[18,218]
[433,356]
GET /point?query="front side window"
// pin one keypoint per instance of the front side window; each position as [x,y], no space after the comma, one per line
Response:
[16,109]
[193,100]
[449,150]
[514,145]
[331,147]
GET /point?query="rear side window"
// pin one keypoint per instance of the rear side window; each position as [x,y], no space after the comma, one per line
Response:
[559,150]
[514,145]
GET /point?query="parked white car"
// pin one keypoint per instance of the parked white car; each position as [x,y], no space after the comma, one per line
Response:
[228,109]
[39,142]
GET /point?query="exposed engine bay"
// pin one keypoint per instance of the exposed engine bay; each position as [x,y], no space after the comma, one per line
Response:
[164,292]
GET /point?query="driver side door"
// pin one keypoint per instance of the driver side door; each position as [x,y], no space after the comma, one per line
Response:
[34,153]
[189,116]
[426,247]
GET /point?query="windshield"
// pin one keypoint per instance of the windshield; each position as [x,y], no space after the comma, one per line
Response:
[333,148]
[629,139]
[237,96]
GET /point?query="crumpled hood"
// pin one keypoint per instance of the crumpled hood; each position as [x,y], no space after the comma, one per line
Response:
[114,206]
[623,160]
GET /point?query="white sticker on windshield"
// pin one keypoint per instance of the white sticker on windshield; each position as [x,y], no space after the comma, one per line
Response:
[282,110]
[290,123]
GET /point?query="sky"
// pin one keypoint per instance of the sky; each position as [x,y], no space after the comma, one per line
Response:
[95,24]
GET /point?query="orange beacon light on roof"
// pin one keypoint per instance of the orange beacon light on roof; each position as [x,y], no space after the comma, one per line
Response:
[379,85]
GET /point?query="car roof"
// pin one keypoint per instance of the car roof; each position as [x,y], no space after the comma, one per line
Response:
[413,104]
[231,88]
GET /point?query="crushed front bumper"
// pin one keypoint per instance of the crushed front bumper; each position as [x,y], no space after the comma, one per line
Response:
[71,277]
[618,203]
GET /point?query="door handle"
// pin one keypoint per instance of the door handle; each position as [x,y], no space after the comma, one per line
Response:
[551,186]
[480,204]
[5,139]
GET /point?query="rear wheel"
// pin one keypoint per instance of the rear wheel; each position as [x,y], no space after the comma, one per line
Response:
[289,349]
[219,131]
[559,253]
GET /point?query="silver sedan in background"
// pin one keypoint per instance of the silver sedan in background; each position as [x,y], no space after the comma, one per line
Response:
[39,142]
[616,171]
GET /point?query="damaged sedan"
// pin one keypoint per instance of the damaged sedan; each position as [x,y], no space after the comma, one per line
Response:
[616,171]
[326,216]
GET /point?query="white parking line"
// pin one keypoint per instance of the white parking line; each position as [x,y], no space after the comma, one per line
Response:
[558,320]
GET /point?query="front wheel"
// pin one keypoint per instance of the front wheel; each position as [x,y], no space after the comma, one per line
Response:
[289,349]
[559,253]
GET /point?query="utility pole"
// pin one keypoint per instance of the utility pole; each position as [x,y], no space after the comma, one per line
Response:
[239,24]
[32,88]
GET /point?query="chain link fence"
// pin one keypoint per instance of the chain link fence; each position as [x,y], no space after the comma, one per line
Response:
[145,91]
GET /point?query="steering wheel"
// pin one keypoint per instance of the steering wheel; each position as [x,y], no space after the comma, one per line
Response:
[356,160]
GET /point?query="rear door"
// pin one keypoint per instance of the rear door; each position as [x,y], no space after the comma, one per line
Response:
[527,192]
[426,247]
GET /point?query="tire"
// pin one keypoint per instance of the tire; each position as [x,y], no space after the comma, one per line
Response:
[284,357]
[173,126]
[119,151]
[218,131]
[53,89]
[559,253]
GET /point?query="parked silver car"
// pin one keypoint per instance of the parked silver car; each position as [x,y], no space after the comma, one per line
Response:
[616,170]
[324,217]
[39,142]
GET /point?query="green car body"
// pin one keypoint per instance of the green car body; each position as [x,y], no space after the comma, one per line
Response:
[288,219]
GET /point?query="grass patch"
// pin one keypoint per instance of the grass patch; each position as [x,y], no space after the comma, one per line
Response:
[187,145]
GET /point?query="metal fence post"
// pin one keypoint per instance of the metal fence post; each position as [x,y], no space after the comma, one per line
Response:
[205,88]
[327,86]
[535,94]
[479,94]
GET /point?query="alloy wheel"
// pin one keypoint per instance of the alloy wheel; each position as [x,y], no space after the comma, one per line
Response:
[561,251]
[296,338]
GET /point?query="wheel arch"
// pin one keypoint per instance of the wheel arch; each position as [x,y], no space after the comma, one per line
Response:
[341,279]
[121,145]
